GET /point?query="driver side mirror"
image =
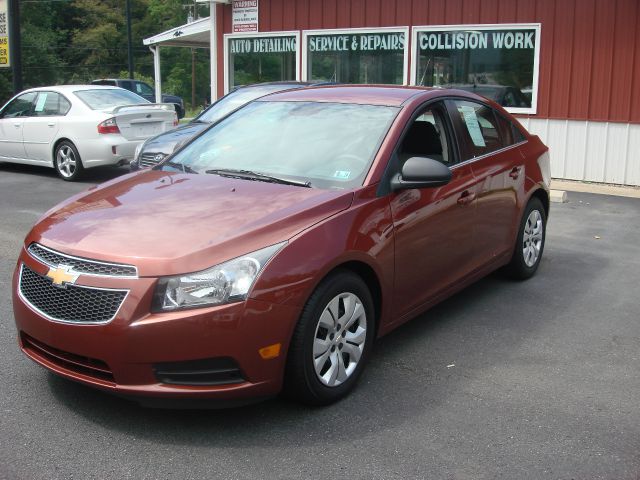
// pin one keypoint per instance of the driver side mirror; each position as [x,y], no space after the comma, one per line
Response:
[421,172]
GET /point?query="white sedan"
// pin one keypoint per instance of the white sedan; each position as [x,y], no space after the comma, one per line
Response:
[74,127]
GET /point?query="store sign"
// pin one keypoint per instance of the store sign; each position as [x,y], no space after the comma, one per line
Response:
[496,61]
[245,16]
[263,45]
[476,40]
[4,34]
[357,42]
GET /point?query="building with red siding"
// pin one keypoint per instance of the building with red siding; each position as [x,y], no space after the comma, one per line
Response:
[569,69]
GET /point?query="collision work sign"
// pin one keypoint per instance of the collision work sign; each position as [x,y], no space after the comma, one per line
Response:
[245,16]
[4,34]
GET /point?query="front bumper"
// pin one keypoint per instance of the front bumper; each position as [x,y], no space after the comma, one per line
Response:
[122,356]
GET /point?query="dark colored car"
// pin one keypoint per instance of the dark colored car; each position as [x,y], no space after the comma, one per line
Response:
[144,90]
[506,96]
[155,149]
[273,249]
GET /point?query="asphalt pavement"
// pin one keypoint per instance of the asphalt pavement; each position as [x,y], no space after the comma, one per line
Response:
[515,380]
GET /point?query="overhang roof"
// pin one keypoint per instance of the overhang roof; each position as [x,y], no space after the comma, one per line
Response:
[195,34]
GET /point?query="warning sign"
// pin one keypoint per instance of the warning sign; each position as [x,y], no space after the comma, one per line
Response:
[245,16]
[4,34]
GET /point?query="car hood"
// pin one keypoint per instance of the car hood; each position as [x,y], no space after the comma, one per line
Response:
[169,142]
[169,223]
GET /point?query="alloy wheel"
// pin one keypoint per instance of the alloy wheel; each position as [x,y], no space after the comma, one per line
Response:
[532,238]
[66,161]
[339,339]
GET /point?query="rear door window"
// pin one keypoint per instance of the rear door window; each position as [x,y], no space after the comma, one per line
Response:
[477,128]
[50,104]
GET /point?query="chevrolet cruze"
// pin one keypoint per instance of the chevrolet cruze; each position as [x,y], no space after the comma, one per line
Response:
[269,252]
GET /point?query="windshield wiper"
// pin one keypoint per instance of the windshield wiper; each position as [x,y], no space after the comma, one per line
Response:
[179,166]
[249,175]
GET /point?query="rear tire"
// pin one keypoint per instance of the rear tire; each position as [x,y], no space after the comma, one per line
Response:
[332,341]
[67,162]
[530,242]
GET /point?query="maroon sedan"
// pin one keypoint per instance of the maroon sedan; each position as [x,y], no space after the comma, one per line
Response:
[270,251]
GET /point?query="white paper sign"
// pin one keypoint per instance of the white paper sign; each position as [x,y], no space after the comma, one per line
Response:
[471,120]
[245,16]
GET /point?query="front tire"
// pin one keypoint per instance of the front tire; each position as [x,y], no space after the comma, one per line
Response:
[332,340]
[67,162]
[530,242]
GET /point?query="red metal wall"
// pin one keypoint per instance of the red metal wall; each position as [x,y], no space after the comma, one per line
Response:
[589,55]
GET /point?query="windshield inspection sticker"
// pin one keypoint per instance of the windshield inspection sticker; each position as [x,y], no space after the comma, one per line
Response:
[471,120]
[342,174]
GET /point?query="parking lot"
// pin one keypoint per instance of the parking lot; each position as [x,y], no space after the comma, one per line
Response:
[516,380]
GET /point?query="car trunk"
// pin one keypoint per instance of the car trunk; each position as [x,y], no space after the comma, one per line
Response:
[138,122]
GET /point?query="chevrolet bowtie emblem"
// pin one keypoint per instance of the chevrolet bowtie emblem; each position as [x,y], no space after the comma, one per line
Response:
[62,275]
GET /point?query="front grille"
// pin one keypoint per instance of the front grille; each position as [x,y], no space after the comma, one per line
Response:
[80,265]
[69,361]
[149,159]
[71,303]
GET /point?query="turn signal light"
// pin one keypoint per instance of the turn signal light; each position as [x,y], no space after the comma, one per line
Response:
[108,126]
[271,351]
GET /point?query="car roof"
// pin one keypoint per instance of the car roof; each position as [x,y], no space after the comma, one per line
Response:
[389,95]
[72,88]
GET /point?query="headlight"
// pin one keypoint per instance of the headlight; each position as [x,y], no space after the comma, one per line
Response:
[224,283]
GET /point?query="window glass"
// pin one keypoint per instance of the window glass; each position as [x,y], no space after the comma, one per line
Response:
[261,59]
[49,104]
[499,64]
[128,84]
[506,130]
[477,128]
[108,98]
[20,106]
[237,98]
[330,145]
[426,137]
[376,57]
[143,89]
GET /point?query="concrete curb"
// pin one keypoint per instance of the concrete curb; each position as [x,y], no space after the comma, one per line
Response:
[599,188]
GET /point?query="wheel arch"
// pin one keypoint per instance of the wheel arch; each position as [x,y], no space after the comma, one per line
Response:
[371,280]
[542,195]
[55,147]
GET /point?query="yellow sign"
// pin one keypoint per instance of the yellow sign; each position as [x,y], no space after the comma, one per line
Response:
[4,34]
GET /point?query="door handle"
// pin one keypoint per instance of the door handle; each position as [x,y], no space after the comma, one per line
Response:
[17,125]
[466,198]
[51,124]
[515,172]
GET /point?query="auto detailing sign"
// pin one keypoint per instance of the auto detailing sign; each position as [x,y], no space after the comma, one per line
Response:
[263,45]
[4,35]
[357,42]
[245,16]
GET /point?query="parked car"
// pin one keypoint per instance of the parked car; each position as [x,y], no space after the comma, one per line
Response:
[507,96]
[144,90]
[155,149]
[273,249]
[74,127]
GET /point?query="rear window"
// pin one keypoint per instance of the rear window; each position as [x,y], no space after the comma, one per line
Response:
[103,99]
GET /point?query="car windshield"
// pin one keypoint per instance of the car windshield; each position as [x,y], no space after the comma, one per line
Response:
[237,98]
[328,145]
[108,98]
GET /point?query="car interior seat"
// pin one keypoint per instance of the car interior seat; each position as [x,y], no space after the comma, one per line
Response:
[422,140]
